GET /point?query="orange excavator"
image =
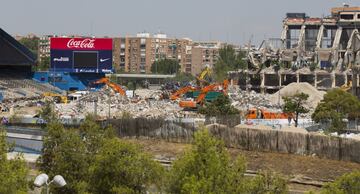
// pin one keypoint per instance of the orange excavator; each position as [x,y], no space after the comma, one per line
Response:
[200,99]
[112,85]
[181,91]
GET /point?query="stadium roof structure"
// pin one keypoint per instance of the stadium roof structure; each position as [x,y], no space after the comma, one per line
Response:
[14,53]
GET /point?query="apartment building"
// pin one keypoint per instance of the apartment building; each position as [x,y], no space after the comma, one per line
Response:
[44,46]
[204,54]
[137,54]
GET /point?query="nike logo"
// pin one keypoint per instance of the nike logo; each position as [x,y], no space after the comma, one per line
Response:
[103,60]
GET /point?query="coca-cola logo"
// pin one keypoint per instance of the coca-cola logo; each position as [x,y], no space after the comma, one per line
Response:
[85,43]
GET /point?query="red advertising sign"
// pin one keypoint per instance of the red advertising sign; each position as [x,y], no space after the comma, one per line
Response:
[81,43]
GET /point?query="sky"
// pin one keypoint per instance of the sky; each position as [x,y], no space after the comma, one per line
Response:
[234,21]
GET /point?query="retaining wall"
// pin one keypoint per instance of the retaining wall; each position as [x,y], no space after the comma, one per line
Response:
[244,138]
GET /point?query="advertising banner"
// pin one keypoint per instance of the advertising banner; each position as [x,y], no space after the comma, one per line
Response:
[92,55]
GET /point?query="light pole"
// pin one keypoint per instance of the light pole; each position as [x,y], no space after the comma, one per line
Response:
[42,179]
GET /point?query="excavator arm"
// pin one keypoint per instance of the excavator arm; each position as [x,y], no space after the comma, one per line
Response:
[181,91]
[205,73]
[200,99]
[112,85]
[346,87]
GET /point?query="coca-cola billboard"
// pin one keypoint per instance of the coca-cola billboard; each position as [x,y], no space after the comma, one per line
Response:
[93,55]
[81,43]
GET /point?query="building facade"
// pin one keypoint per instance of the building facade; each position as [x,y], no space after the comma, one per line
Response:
[204,54]
[136,54]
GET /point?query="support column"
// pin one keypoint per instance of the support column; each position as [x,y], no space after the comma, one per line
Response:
[262,85]
[345,78]
[315,78]
[333,79]
[297,77]
[280,80]
[320,37]
[284,36]
[247,81]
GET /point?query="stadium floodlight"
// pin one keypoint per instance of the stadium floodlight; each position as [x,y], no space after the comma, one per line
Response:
[59,181]
[42,180]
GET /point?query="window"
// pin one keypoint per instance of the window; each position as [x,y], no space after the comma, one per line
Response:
[347,16]
[359,16]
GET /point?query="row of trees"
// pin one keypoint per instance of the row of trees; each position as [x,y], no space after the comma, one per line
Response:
[228,60]
[93,160]
[335,110]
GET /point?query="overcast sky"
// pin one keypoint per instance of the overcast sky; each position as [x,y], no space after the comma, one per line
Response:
[233,21]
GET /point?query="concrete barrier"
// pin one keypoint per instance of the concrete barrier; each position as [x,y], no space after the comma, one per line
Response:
[252,139]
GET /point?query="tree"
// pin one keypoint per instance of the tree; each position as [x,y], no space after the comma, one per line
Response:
[207,168]
[183,77]
[48,113]
[228,61]
[64,153]
[44,64]
[269,183]
[220,106]
[335,107]
[348,183]
[30,43]
[165,66]
[122,167]
[295,105]
[12,172]
[70,153]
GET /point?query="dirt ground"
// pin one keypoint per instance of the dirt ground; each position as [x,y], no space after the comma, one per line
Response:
[286,164]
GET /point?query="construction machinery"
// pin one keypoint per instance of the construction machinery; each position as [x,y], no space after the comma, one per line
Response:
[112,85]
[204,77]
[346,87]
[58,98]
[204,91]
[182,91]
[254,113]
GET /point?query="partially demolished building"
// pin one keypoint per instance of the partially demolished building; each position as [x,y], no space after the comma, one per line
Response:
[324,52]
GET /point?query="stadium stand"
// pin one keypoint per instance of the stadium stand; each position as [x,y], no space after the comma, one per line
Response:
[16,63]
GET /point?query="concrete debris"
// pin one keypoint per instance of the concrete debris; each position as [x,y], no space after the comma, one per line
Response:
[243,100]
[146,103]
[315,96]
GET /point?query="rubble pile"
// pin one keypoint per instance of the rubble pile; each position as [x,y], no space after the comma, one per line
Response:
[147,104]
[243,100]
[315,96]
